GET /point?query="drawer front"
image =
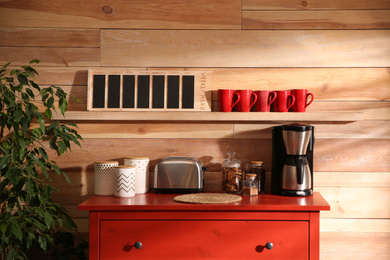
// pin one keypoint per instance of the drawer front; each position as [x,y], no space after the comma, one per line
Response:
[204,239]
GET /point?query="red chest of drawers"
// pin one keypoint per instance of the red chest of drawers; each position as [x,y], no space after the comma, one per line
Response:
[153,226]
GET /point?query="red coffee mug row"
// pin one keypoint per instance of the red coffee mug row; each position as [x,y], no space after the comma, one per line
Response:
[283,100]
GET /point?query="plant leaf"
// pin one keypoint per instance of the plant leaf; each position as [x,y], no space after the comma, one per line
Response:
[17,231]
[48,219]
[4,161]
[23,79]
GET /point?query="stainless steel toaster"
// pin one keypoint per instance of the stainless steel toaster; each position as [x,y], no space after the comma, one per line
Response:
[178,175]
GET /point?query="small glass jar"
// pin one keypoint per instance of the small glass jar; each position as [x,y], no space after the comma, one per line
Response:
[251,185]
[257,168]
[232,174]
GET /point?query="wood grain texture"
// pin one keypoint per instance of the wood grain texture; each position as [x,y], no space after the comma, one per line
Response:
[159,130]
[235,48]
[327,84]
[47,37]
[314,4]
[355,225]
[161,14]
[349,155]
[355,130]
[355,245]
[318,20]
[51,56]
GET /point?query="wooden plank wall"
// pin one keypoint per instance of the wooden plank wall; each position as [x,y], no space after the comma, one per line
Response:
[338,49]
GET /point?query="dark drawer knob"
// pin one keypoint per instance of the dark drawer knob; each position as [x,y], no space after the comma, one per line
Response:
[138,245]
[269,245]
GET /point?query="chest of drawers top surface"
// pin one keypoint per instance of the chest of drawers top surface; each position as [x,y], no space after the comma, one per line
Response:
[151,201]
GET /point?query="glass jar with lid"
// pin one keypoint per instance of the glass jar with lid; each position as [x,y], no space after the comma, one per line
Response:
[251,186]
[257,168]
[232,174]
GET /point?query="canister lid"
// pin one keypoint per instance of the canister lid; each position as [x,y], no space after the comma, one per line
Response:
[136,158]
[107,162]
[231,161]
[297,127]
[257,163]
[250,176]
[125,166]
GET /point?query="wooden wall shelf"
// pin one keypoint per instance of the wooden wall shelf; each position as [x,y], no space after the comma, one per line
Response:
[212,116]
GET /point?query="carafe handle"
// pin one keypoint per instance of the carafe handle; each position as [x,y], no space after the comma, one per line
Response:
[300,169]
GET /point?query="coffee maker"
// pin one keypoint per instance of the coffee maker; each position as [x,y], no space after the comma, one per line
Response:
[292,160]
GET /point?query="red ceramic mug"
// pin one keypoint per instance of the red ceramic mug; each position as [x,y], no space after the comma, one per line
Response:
[247,100]
[284,101]
[302,100]
[226,100]
[264,100]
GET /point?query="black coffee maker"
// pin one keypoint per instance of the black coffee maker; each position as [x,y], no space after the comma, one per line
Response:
[292,160]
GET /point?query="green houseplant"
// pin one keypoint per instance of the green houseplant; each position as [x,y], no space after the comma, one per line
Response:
[29,218]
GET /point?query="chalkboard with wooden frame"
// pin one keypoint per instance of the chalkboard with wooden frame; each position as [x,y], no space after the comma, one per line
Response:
[132,90]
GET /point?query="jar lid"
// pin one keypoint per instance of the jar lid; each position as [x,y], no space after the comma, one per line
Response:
[259,163]
[231,161]
[136,158]
[107,162]
[251,176]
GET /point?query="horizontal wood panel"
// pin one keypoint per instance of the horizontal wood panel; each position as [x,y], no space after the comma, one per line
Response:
[161,14]
[235,48]
[51,56]
[370,110]
[163,130]
[354,225]
[340,19]
[354,179]
[326,84]
[45,37]
[155,130]
[354,245]
[82,182]
[347,155]
[314,4]
[356,202]
[355,130]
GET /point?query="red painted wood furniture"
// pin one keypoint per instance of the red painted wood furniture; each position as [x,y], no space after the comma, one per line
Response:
[153,226]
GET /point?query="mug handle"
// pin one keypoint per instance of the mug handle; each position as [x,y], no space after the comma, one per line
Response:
[312,98]
[254,100]
[272,97]
[291,100]
[238,99]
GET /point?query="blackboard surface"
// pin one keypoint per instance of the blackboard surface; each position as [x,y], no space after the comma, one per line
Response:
[173,91]
[128,91]
[188,92]
[99,86]
[143,91]
[113,91]
[158,91]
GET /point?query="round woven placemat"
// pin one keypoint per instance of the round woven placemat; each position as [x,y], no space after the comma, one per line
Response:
[208,198]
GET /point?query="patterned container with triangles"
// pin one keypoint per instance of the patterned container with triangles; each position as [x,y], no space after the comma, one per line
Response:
[104,177]
[141,173]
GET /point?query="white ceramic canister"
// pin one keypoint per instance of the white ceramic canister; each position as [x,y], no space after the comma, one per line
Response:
[124,181]
[141,173]
[104,177]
